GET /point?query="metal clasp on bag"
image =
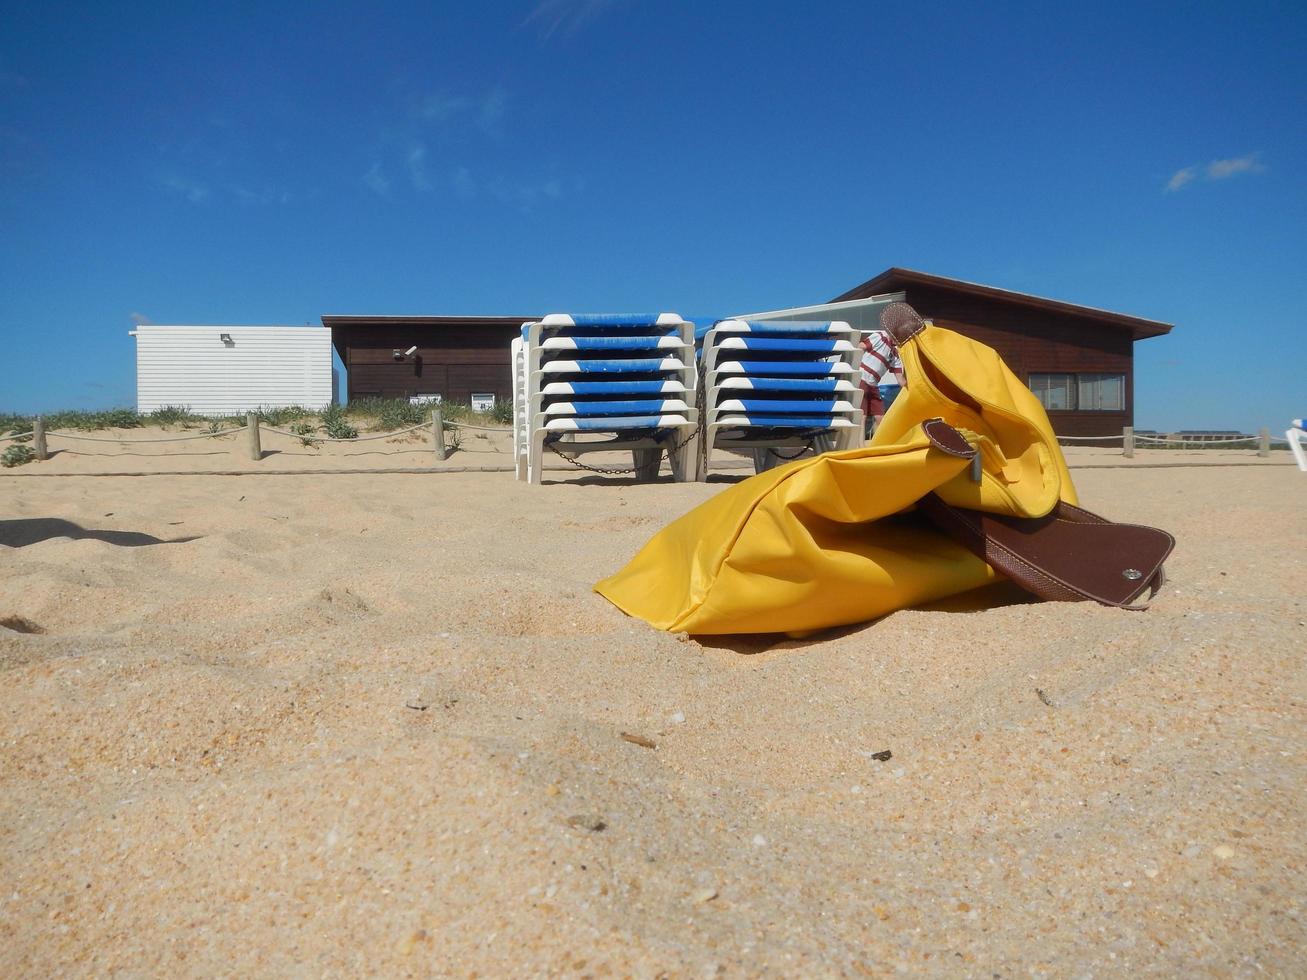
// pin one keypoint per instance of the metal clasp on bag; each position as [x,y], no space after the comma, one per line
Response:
[976,467]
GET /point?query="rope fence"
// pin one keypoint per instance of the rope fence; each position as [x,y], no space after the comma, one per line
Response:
[254,428]
[202,435]
[317,438]
[1127,438]
[1196,443]
[1130,439]
[483,428]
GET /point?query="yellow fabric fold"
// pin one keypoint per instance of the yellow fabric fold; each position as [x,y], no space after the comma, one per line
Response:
[967,385]
[832,540]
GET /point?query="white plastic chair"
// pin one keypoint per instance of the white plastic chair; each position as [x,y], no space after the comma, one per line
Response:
[1297,435]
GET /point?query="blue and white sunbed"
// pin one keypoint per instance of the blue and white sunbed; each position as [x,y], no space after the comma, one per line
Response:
[779,385]
[605,382]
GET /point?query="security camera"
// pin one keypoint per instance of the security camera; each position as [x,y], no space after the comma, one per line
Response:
[411,351]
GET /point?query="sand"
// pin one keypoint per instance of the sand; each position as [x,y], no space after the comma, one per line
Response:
[348,723]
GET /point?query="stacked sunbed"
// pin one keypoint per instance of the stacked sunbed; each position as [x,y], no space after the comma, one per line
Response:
[604,382]
[779,389]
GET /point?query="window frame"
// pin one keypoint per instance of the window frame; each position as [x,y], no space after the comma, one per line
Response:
[1077,378]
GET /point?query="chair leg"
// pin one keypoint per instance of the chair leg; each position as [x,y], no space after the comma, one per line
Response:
[685,461]
[1296,438]
[535,461]
[646,462]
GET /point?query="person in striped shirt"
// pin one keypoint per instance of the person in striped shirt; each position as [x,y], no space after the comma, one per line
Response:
[880,376]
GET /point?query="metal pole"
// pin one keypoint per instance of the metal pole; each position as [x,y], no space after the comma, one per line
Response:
[38,438]
[1128,442]
[1264,442]
[438,433]
[252,427]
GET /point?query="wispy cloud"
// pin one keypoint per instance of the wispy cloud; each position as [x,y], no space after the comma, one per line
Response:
[441,106]
[490,112]
[194,191]
[436,146]
[376,181]
[526,194]
[1215,170]
[260,196]
[203,192]
[1181,177]
[416,162]
[446,109]
[565,17]
[462,182]
[1220,169]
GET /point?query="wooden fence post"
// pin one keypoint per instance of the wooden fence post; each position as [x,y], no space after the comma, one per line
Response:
[1128,442]
[1264,442]
[252,427]
[38,438]
[438,433]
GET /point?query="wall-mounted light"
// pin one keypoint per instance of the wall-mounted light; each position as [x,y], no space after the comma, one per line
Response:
[399,355]
[226,339]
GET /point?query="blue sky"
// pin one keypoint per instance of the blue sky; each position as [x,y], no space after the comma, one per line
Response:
[268,163]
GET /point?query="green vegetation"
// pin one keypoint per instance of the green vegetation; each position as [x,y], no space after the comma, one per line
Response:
[387,414]
[306,431]
[333,421]
[174,415]
[284,415]
[113,418]
[17,456]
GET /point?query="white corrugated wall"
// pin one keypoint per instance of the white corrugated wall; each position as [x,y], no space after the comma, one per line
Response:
[258,367]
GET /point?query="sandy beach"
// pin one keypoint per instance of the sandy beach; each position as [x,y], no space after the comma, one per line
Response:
[347,723]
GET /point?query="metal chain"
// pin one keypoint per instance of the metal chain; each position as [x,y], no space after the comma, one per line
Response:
[786,459]
[622,471]
[610,471]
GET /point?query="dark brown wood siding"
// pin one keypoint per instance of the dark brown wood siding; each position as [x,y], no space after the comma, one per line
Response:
[1034,341]
[452,360]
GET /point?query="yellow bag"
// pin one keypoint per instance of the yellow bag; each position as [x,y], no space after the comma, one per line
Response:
[834,539]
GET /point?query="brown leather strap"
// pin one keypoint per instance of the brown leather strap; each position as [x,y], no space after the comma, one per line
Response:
[901,322]
[1069,555]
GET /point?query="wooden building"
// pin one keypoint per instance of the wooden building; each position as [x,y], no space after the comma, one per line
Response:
[1079,361]
[456,357]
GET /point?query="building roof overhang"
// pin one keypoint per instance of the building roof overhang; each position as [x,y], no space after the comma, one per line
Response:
[896,279]
[334,320]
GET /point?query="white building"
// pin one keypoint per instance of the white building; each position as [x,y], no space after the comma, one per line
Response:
[229,370]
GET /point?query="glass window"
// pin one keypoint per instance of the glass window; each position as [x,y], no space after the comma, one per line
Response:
[1101,392]
[1055,392]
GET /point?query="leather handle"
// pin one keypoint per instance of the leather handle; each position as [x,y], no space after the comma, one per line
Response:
[1068,556]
